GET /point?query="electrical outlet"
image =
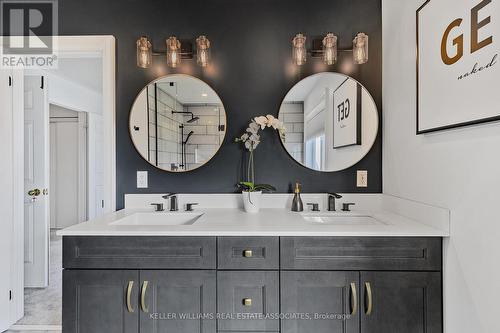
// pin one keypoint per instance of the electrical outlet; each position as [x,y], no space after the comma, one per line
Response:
[142,179]
[362,178]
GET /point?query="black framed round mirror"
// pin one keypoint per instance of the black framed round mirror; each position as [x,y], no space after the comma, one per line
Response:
[331,122]
[177,123]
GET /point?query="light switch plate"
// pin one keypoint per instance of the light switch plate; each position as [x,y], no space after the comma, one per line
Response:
[362,178]
[142,179]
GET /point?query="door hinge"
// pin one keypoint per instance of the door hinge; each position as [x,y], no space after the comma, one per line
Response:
[10,295]
[42,82]
[10,81]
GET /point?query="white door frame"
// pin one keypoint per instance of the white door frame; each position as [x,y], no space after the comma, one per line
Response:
[77,46]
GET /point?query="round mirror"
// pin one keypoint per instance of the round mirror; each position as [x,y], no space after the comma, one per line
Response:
[177,123]
[331,122]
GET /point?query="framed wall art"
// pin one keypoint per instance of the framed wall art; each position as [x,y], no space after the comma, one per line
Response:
[458,69]
[347,114]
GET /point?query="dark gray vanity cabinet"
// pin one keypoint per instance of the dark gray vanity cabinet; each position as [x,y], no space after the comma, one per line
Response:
[409,302]
[387,285]
[252,284]
[176,301]
[95,301]
[318,302]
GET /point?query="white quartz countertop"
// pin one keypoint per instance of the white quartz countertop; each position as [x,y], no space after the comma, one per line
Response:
[268,222]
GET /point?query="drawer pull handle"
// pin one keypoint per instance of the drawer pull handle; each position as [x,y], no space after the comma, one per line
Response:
[354,299]
[247,302]
[248,253]
[369,307]
[130,308]
[144,307]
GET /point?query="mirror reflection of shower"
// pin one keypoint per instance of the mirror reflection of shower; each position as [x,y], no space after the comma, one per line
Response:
[186,123]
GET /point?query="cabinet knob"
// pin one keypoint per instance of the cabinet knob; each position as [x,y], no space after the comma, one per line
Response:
[247,253]
[247,302]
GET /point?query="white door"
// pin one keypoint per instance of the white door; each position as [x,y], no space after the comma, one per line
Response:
[6,204]
[36,181]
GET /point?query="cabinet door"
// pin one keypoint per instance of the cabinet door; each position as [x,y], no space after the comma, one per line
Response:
[320,302]
[100,301]
[395,302]
[248,300]
[177,301]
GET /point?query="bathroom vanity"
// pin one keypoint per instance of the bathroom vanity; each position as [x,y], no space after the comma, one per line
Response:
[274,271]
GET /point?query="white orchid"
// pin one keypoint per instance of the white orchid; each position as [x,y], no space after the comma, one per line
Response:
[261,121]
[251,137]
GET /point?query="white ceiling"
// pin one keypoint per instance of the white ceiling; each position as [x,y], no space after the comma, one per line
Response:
[189,90]
[84,71]
[301,90]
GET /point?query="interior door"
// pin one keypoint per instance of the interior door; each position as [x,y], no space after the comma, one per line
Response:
[6,204]
[36,180]
[396,302]
[320,302]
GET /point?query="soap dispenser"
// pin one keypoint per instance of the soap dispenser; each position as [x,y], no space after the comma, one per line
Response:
[297,205]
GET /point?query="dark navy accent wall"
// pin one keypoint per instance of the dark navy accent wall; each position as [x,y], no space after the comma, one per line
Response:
[251,71]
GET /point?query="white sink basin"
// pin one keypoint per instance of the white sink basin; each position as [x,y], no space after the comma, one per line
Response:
[159,219]
[340,218]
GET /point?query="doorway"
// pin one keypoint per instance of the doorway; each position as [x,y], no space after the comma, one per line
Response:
[69,170]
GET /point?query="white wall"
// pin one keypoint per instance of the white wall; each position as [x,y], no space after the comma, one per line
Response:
[72,95]
[456,169]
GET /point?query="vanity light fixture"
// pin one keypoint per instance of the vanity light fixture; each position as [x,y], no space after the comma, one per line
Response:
[176,50]
[144,52]
[327,49]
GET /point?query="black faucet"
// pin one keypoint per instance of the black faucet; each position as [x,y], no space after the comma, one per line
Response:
[314,206]
[173,201]
[331,201]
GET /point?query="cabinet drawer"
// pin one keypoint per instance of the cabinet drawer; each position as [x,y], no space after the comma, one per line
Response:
[139,252]
[248,252]
[361,253]
[242,295]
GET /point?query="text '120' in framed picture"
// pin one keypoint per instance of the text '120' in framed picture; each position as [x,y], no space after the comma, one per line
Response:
[347,114]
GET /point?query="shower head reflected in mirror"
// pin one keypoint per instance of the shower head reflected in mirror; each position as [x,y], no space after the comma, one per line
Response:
[187,137]
[193,118]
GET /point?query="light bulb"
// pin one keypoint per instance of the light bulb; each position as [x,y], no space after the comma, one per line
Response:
[173,52]
[330,49]
[144,52]
[360,49]
[299,52]
[202,51]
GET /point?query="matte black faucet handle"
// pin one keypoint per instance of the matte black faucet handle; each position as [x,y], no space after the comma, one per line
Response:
[158,207]
[189,206]
[346,206]
[315,206]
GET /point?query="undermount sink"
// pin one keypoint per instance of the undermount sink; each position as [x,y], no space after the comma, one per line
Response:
[340,218]
[159,219]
